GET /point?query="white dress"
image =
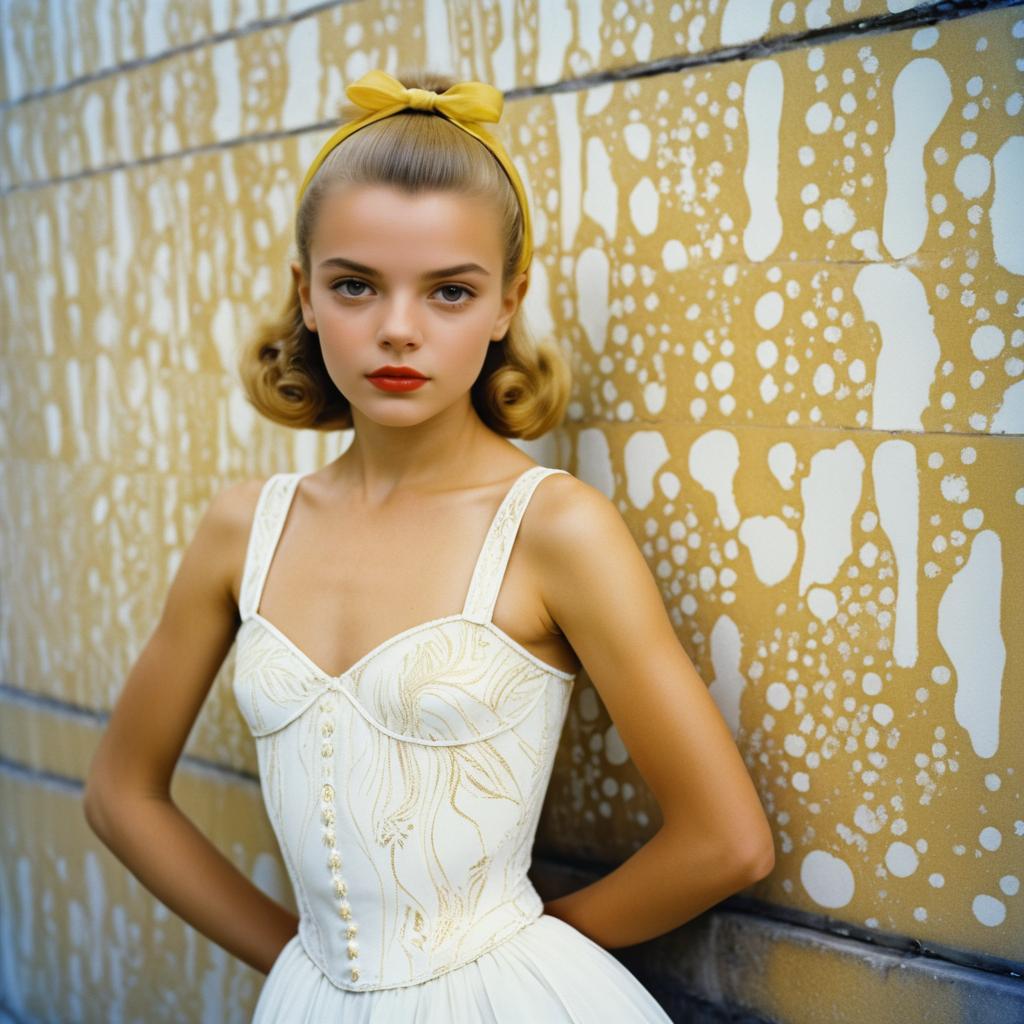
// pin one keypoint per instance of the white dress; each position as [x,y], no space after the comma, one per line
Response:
[405,795]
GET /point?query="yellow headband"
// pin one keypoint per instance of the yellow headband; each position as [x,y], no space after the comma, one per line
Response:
[465,104]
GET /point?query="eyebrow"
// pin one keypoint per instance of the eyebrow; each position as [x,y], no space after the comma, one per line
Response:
[462,268]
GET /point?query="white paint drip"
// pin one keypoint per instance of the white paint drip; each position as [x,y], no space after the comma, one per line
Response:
[896,301]
[778,696]
[772,546]
[594,461]
[588,29]
[644,454]
[925,38]
[782,463]
[969,631]
[597,98]
[838,216]
[1007,211]
[816,13]
[554,34]
[1009,417]
[643,206]
[589,706]
[601,198]
[670,485]
[674,255]
[768,310]
[866,241]
[901,859]
[921,95]
[822,603]
[537,304]
[762,110]
[638,139]
[990,838]
[869,820]
[827,879]
[953,487]
[727,687]
[795,744]
[987,341]
[655,394]
[818,118]
[714,459]
[615,750]
[92,114]
[972,175]
[567,131]
[988,910]
[226,122]
[592,273]
[503,59]
[897,495]
[745,19]
[302,64]
[830,491]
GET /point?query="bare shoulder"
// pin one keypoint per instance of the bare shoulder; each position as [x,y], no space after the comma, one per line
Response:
[568,514]
[215,555]
[227,525]
[598,588]
[575,540]
[171,676]
[234,504]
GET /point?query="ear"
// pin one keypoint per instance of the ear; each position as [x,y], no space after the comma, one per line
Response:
[510,302]
[303,289]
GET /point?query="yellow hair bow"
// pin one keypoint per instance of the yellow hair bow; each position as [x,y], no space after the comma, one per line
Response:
[465,104]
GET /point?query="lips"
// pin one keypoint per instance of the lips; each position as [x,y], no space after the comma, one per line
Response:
[398,384]
[399,372]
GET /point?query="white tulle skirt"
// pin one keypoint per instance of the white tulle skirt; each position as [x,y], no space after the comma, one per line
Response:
[546,973]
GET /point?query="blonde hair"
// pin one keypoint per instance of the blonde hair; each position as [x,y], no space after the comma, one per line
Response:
[522,389]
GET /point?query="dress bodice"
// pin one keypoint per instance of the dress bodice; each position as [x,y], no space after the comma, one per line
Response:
[404,793]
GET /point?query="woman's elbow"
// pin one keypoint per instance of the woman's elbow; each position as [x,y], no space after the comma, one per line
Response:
[764,864]
[93,806]
[757,862]
[98,798]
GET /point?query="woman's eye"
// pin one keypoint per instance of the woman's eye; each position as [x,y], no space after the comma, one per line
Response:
[354,288]
[461,295]
[350,281]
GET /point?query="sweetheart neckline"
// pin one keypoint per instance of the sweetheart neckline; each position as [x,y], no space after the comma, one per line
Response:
[411,630]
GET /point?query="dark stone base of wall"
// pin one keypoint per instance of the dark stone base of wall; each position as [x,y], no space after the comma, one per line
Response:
[730,966]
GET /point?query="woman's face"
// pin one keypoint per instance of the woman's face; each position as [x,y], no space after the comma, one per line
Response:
[406,280]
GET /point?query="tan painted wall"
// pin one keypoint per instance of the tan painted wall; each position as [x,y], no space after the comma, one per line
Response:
[791,285]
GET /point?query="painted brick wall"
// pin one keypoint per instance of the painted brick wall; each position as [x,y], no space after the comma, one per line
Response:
[783,244]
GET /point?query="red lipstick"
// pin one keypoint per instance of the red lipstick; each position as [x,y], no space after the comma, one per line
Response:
[397,378]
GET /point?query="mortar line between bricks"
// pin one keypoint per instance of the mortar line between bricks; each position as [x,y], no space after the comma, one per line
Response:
[942,11]
[95,717]
[895,944]
[113,70]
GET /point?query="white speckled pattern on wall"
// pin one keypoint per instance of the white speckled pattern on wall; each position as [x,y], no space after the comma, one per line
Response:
[789,278]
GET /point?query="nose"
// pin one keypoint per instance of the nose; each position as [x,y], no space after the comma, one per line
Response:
[399,329]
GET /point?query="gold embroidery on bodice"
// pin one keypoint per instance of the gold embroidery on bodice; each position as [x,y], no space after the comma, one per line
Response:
[405,792]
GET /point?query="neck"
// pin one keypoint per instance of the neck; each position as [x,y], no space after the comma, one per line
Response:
[429,456]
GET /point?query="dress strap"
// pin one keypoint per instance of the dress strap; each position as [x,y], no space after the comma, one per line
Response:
[489,571]
[268,520]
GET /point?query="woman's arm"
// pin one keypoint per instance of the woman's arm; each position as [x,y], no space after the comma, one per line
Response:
[715,838]
[128,789]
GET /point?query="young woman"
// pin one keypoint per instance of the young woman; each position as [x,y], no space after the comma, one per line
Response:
[409,621]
